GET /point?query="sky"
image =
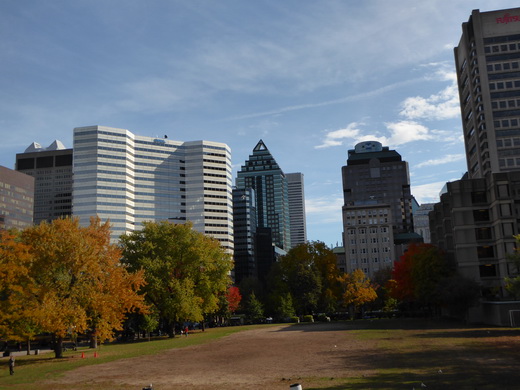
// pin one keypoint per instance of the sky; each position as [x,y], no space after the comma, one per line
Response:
[309,78]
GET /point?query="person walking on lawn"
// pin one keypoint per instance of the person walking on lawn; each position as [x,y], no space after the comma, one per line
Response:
[11,364]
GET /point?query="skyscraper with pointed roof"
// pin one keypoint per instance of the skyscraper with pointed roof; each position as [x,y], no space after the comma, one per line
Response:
[262,173]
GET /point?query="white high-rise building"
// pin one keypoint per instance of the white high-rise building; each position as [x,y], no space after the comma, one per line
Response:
[130,179]
[297,208]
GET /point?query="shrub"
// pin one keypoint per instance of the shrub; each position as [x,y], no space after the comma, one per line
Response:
[308,318]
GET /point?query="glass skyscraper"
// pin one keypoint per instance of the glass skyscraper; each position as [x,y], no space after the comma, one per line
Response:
[262,173]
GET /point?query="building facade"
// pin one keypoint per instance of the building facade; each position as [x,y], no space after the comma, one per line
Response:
[129,179]
[296,192]
[16,199]
[244,222]
[51,168]
[262,173]
[475,223]
[421,222]
[488,73]
[377,207]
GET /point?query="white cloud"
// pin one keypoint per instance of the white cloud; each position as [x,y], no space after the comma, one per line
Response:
[427,193]
[443,160]
[336,137]
[440,106]
[407,131]
[325,209]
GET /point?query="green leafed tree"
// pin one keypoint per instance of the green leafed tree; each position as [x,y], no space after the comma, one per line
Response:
[253,309]
[311,277]
[186,272]
[513,283]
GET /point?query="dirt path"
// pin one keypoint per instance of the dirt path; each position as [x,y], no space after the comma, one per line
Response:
[266,358]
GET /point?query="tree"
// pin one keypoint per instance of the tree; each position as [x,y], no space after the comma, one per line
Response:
[17,288]
[309,273]
[285,307]
[513,283]
[186,272]
[254,309]
[78,283]
[429,268]
[357,289]
[233,299]
[458,294]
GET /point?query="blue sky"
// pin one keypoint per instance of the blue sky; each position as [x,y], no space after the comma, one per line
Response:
[309,78]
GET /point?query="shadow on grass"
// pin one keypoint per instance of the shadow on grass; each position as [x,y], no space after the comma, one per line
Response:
[408,380]
[459,366]
[375,324]
[473,333]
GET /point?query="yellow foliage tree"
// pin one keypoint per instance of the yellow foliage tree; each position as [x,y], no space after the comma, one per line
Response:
[357,289]
[17,306]
[80,284]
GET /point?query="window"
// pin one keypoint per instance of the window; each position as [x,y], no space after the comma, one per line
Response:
[478,197]
[488,270]
[485,251]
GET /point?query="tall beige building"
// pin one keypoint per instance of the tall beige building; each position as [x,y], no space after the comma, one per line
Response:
[488,71]
[130,179]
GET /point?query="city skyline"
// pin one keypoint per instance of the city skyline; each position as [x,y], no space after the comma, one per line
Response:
[309,79]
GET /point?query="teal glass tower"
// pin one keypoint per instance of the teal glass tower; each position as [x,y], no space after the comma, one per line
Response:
[261,173]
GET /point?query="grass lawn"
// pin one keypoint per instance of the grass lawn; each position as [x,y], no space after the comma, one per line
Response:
[440,355]
[379,354]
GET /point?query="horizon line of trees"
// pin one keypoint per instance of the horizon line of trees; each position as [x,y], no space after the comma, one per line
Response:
[64,279]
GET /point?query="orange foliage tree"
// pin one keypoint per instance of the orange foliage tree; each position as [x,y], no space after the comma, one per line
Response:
[233,298]
[79,283]
[17,308]
[356,289]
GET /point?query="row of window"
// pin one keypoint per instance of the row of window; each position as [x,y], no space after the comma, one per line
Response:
[504,85]
[372,240]
[501,48]
[366,212]
[372,230]
[370,221]
[364,260]
[354,251]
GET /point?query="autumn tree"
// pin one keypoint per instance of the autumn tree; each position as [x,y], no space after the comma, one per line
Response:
[77,283]
[233,299]
[309,273]
[424,278]
[186,272]
[17,288]
[356,289]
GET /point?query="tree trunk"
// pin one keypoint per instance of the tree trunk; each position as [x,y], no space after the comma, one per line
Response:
[28,345]
[58,347]
[93,340]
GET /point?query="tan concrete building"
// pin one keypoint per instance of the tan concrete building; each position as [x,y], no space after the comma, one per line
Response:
[16,199]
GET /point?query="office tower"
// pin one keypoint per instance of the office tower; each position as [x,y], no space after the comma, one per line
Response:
[130,179]
[297,208]
[475,223]
[51,168]
[421,222]
[261,173]
[377,210]
[16,199]
[488,72]
[244,222]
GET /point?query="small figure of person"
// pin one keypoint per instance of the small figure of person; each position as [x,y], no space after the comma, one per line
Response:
[11,365]
[185,331]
